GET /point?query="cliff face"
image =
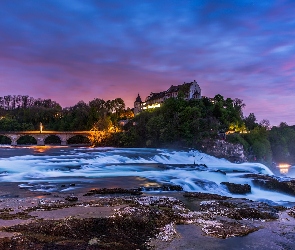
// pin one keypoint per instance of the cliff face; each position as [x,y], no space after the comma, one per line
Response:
[224,149]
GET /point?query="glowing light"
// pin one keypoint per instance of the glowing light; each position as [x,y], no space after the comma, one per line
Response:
[41,127]
[284,168]
[152,106]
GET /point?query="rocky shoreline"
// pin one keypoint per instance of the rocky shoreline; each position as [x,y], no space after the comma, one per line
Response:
[125,219]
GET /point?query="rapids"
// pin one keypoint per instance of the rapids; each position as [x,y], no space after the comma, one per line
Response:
[191,169]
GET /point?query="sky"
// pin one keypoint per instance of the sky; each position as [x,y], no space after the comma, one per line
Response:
[72,50]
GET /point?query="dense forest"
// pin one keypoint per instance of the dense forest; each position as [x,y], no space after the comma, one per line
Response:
[177,123]
[18,113]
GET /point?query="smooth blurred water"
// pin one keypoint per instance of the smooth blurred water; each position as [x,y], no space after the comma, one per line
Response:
[52,165]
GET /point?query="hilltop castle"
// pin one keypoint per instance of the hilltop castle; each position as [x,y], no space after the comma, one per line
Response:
[189,91]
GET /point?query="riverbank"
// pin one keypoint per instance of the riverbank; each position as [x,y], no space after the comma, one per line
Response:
[114,219]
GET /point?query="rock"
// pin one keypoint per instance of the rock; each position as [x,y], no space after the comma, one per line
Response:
[225,228]
[237,188]
[9,196]
[195,166]
[113,191]
[205,196]
[163,188]
[240,209]
[205,184]
[135,221]
[273,183]
[291,212]
[71,198]
[130,227]
[220,171]
[94,241]
[47,193]
[224,149]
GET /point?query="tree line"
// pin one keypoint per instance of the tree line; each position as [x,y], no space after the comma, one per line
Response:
[24,113]
[177,123]
[21,113]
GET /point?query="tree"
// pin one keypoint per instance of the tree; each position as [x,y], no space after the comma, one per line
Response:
[238,106]
[103,124]
[97,110]
[219,98]
[250,121]
[155,127]
[283,125]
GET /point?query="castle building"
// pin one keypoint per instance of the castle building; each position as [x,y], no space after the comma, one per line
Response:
[189,91]
[137,105]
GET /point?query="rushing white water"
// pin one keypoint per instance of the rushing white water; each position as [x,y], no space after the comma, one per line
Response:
[159,165]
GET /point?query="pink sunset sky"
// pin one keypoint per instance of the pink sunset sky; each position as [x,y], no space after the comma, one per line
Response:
[80,50]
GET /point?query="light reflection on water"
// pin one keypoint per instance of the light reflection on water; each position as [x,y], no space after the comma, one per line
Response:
[41,149]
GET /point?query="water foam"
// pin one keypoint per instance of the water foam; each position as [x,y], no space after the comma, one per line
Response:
[160,165]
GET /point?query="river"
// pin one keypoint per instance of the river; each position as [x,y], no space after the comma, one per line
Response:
[49,169]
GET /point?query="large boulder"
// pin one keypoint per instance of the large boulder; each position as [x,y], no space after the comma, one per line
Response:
[237,188]
[273,183]
[224,149]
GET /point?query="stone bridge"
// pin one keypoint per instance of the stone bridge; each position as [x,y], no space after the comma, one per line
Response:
[40,136]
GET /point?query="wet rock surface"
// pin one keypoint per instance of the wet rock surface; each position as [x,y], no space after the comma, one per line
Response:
[237,188]
[273,183]
[163,188]
[135,191]
[291,212]
[205,196]
[240,209]
[130,227]
[195,166]
[135,222]
[124,232]
[71,198]
[114,191]
[226,217]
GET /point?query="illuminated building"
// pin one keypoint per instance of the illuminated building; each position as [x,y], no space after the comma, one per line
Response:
[189,91]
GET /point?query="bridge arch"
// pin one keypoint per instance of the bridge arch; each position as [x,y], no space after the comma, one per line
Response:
[78,139]
[27,139]
[12,137]
[5,139]
[52,139]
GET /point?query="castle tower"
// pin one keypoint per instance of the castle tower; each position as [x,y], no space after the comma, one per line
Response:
[195,90]
[137,105]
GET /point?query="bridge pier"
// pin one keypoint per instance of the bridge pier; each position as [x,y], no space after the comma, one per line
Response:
[13,142]
[63,143]
[40,141]
[14,139]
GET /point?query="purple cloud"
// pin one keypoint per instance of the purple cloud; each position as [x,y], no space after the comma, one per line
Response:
[107,49]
